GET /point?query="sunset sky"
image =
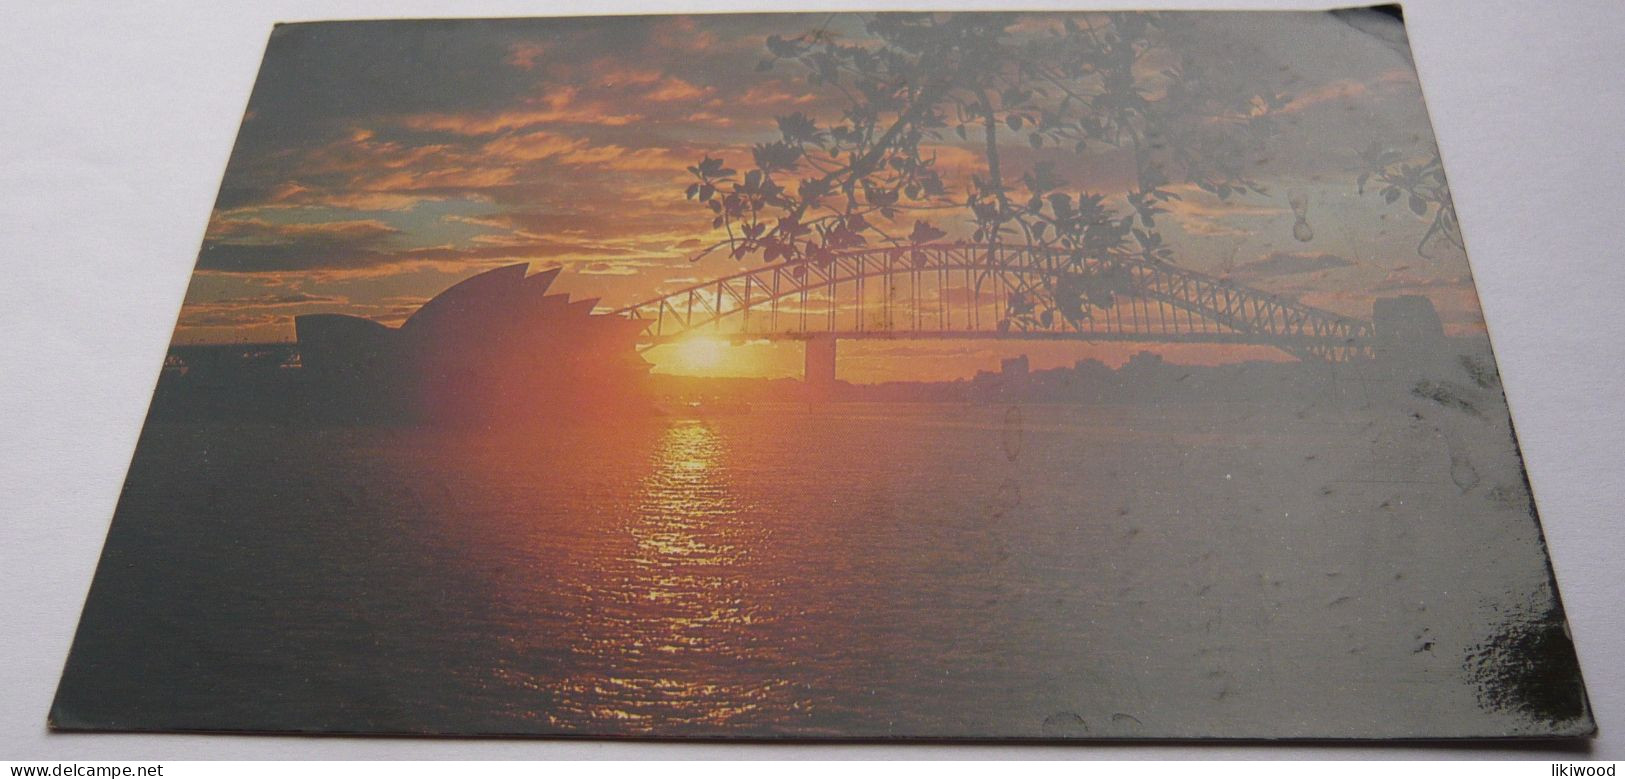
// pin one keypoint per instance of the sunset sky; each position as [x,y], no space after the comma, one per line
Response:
[380,162]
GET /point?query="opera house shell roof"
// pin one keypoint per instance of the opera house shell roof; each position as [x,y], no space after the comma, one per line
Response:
[494,346]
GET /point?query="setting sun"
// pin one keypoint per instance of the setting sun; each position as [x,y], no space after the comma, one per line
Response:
[699,354]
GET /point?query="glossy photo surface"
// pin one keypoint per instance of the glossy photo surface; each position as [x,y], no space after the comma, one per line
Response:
[832,376]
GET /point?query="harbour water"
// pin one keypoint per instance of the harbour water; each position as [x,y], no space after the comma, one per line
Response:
[851,570]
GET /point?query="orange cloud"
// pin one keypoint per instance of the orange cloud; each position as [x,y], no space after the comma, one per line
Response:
[559,106]
[443,179]
[1347,89]
[772,93]
[525,54]
[682,33]
[295,195]
[609,73]
[532,146]
[545,145]
[671,90]
[250,230]
[709,118]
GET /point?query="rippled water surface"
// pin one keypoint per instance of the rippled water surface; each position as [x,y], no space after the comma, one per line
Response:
[851,571]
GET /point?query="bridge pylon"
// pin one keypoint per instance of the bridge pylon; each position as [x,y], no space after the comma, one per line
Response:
[819,371]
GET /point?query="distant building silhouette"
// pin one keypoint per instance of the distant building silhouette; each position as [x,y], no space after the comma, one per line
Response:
[1406,325]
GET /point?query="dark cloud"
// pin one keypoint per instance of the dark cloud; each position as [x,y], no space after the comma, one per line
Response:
[318,77]
[252,245]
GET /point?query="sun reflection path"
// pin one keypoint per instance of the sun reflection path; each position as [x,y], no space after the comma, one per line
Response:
[676,632]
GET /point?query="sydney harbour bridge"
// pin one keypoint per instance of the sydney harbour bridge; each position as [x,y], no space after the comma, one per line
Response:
[977,291]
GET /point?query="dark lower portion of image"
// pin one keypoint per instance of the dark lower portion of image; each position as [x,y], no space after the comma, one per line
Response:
[1344,559]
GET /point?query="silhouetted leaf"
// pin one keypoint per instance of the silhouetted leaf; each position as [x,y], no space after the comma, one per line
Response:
[925,232]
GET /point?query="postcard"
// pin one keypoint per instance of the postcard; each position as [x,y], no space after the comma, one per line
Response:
[974,376]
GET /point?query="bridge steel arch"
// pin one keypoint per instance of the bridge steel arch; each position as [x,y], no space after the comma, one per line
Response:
[964,291]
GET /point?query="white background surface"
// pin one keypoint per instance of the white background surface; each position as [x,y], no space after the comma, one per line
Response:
[115,126]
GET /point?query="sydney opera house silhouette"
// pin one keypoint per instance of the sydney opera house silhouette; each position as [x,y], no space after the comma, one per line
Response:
[494,346]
